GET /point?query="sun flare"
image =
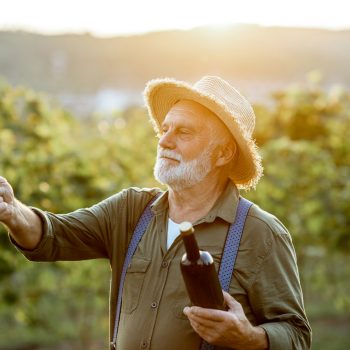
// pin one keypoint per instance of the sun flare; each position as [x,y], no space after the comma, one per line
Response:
[110,17]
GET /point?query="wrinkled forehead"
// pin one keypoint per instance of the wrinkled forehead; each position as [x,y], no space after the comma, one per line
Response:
[195,113]
[192,111]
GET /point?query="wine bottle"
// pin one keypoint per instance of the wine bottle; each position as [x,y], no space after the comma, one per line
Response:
[199,273]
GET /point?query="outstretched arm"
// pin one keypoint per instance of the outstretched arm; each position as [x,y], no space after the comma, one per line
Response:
[24,225]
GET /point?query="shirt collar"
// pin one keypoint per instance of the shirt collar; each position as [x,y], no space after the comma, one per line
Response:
[161,203]
[225,207]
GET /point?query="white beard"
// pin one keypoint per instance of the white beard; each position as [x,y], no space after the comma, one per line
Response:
[185,174]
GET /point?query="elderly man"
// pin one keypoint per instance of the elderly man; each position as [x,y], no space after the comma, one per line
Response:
[205,155]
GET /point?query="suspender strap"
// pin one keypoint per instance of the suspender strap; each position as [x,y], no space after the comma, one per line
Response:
[229,254]
[233,240]
[140,229]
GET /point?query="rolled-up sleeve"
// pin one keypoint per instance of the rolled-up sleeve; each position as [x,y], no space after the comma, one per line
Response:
[82,234]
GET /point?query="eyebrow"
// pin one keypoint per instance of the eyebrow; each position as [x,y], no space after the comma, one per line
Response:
[182,125]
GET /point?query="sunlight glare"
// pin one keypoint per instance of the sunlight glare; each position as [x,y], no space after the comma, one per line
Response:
[107,17]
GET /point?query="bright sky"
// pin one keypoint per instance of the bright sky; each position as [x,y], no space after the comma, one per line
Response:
[114,17]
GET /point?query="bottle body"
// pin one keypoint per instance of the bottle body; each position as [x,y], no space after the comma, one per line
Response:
[199,273]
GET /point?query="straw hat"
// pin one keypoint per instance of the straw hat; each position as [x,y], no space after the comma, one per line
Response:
[223,100]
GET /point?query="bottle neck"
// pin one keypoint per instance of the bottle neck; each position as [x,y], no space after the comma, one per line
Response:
[191,247]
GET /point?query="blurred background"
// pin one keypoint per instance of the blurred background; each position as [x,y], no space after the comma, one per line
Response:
[73,130]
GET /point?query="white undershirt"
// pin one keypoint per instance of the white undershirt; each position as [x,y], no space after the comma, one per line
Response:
[173,232]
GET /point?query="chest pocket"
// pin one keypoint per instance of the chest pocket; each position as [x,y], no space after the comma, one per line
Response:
[133,284]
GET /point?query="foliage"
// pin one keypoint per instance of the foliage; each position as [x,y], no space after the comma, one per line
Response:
[59,163]
[306,151]
[307,165]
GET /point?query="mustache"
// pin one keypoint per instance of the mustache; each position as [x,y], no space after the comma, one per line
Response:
[169,154]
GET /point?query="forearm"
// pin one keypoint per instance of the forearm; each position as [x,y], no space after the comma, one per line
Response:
[258,340]
[25,226]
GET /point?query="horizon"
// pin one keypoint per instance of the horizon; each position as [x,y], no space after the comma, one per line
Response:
[216,28]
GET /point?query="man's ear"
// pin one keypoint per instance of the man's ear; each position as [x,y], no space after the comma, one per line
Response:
[226,153]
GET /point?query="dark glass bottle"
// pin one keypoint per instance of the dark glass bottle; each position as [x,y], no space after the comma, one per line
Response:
[199,273]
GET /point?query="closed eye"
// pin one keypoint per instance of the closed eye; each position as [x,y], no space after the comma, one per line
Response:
[185,131]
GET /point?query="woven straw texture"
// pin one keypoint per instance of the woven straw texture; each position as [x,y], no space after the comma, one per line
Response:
[223,100]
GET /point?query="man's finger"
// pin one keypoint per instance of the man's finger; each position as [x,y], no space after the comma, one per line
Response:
[3,194]
[3,208]
[208,314]
[195,325]
[228,297]
[3,190]
[6,193]
[2,180]
[231,302]
[199,328]
[204,322]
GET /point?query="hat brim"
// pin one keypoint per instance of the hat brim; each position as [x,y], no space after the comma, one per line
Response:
[162,94]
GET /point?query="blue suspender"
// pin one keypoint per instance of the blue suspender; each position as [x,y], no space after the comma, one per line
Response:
[227,261]
[140,229]
[229,254]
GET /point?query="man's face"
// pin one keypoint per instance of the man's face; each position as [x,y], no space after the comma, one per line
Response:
[185,146]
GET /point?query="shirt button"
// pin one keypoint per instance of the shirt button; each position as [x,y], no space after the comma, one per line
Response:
[144,345]
[165,264]
[154,305]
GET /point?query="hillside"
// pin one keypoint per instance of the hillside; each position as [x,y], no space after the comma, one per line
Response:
[248,54]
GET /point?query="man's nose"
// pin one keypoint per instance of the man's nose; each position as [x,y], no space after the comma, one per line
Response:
[167,140]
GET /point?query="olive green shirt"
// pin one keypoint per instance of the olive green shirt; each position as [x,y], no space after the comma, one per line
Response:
[265,279]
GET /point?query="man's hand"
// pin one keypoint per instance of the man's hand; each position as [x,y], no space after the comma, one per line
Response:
[24,225]
[7,202]
[227,328]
